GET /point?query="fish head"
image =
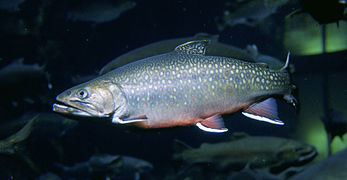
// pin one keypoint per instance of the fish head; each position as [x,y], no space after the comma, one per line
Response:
[295,152]
[91,99]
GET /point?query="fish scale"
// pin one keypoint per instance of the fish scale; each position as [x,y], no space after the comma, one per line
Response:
[185,87]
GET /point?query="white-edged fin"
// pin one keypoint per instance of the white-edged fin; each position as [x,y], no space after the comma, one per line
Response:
[262,118]
[212,124]
[264,111]
[207,129]
[117,120]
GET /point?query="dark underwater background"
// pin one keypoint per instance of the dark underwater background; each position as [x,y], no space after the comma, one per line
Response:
[40,32]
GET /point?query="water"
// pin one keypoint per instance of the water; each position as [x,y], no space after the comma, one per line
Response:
[40,32]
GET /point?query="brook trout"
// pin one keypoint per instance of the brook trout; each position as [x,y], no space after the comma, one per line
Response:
[183,87]
[257,152]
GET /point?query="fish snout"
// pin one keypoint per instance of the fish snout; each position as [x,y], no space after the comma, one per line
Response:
[63,96]
[306,153]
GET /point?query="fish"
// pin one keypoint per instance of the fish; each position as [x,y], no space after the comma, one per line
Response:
[99,11]
[249,13]
[250,152]
[16,71]
[17,74]
[107,166]
[12,145]
[50,124]
[9,145]
[183,87]
[332,168]
[24,85]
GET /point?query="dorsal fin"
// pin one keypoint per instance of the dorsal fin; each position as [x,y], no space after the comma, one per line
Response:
[193,47]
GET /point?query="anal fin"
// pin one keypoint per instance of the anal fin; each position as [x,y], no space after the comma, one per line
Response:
[264,111]
[212,124]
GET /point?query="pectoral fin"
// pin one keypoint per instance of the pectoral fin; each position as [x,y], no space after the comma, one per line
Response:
[212,124]
[118,120]
[264,111]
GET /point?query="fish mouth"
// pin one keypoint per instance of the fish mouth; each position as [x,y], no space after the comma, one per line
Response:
[78,108]
[305,155]
[308,155]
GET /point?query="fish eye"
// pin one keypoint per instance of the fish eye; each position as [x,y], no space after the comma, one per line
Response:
[82,93]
